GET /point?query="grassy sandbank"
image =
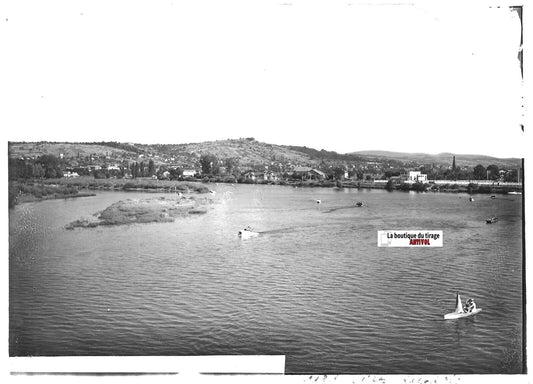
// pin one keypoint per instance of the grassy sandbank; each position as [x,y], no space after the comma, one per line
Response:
[150,210]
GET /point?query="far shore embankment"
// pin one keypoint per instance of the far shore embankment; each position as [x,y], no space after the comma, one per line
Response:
[43,189]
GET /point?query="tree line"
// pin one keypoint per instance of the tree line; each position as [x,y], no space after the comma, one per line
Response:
[142,169]
[45,166]
[50,166]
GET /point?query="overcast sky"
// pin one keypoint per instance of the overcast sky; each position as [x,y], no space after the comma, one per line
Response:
[334,75]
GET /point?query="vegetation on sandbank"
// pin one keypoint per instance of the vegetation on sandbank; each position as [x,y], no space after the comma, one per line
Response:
[27,192]
[44,189]
[150,210]
[88,182]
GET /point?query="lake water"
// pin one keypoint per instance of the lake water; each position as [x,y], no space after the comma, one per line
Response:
[313,286]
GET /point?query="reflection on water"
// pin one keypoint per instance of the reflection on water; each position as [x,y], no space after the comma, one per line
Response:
[313,286]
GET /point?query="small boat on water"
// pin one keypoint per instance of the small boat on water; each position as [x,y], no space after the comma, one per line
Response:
[493,196]
[471,198]
[247,232]
[514,193]
[460,310]
[492,220]
[359,204]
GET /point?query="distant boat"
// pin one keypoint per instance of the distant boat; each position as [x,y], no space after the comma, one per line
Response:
[492,220]
[471,198]
[459,311]
[247,232]
[359,204]
[493,196]
[319,201]
[514,193]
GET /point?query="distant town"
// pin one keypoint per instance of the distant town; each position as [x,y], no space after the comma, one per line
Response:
[247,160]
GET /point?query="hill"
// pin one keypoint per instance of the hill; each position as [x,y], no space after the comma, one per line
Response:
[71,150]
[248,151]
[442,158]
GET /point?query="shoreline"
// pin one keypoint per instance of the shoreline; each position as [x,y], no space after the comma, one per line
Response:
[24,191]
[28,198]
[34,191]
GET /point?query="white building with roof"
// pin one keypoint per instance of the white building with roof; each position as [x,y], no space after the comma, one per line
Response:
[417,177]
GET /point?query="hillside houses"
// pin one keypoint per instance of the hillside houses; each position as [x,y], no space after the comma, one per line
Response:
[261,176]
[308,173]
[249,175]
[189,173]
[247,160]
[69,174]
[269,176]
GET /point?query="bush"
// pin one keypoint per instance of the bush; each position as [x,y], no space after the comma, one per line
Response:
[201,189]
[404,187]
[472,188]
[70,190]
[484,189]
[129,185]
[419,187]
[13,193]
[230,179]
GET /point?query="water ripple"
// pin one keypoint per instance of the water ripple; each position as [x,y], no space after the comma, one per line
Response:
[314,285]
